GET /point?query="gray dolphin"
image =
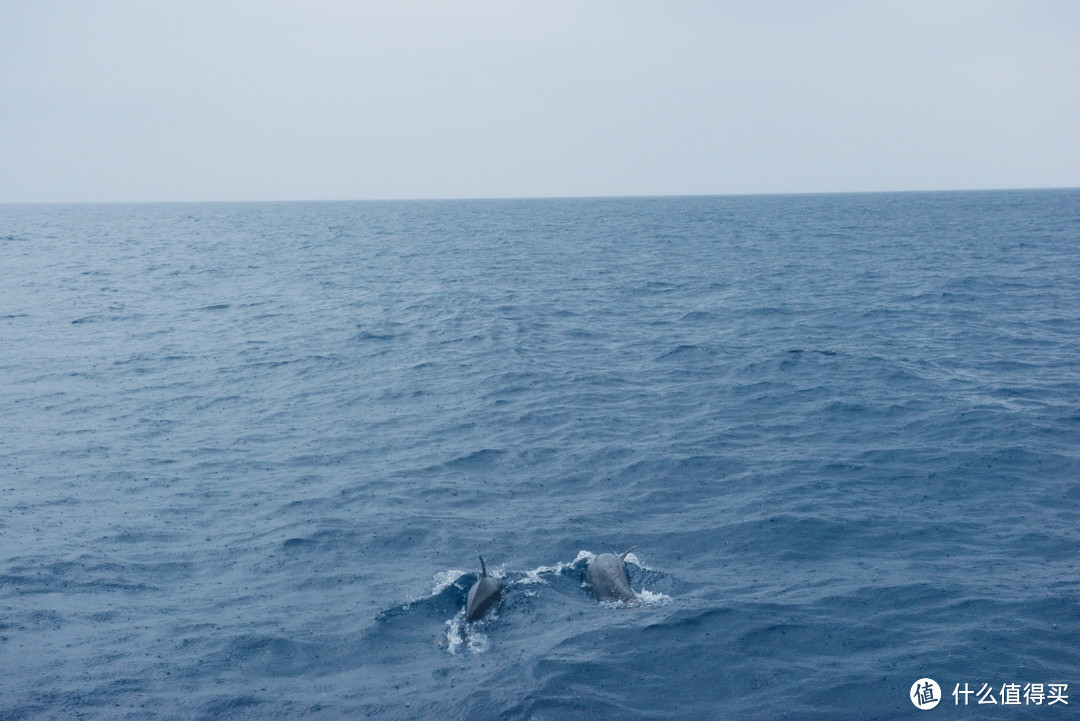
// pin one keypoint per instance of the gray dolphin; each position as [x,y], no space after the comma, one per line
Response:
[483,595]
[606,576]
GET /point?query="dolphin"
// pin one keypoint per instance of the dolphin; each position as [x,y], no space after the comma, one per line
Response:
[606,576]
[483,595]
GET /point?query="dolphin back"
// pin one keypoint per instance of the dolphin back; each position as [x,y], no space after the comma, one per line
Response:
[483,595]
[606,576]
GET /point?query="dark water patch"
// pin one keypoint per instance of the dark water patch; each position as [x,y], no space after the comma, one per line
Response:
[365,335]
[299,544]
[696,317]
[44,620]
[688,353]
[269,656]
[477,460]
[244,706]
[76,577]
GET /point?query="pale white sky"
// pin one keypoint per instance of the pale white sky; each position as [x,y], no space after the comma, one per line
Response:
[134,100]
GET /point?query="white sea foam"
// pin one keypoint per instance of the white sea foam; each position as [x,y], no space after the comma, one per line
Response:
[645,597]
[445,579]
[454,636]
[535,576]
[650,598]
[462,636]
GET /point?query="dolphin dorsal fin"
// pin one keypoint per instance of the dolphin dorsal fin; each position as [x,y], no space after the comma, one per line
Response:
[483,568]
[622,556]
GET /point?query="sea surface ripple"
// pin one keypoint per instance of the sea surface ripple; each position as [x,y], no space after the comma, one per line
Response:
[249,454]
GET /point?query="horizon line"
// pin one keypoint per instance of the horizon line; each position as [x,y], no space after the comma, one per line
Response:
[643,196]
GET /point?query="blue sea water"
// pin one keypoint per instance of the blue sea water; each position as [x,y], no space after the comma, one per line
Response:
[249,454]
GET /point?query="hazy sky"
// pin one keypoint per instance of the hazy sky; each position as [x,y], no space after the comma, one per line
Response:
[342,99]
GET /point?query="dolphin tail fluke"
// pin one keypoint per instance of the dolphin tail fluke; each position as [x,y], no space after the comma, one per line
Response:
[622,556]
[483,568]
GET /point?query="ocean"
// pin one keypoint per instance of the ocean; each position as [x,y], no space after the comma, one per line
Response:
[250,454]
